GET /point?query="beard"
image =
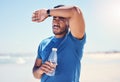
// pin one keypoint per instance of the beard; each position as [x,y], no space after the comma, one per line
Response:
[60,31]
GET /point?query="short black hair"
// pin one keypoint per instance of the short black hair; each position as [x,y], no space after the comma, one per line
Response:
[59,6]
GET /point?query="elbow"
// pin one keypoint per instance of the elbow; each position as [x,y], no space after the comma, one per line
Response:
[36,76]
[76,10]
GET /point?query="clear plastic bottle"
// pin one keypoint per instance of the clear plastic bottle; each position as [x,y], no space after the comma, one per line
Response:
[53,59]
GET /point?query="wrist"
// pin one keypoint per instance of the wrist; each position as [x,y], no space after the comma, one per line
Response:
[48,13]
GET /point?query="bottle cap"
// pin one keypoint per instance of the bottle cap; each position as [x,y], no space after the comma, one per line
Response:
[54,49]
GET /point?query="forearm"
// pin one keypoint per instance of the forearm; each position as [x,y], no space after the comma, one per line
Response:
[66,11]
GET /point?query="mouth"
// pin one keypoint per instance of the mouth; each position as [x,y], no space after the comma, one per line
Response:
[56,26]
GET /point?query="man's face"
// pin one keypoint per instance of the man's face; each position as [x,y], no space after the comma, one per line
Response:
[60,25]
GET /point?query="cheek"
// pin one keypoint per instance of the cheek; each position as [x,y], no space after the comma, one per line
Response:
[63,28]
[64,24]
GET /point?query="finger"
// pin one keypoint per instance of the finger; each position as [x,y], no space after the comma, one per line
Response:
[46,66]
[51,64]
[35,19]
[48,63]
[46,69]
[35,13]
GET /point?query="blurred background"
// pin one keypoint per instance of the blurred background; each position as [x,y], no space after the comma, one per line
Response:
[20,37]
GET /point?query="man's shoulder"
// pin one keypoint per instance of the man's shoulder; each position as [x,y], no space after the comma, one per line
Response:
[46,40]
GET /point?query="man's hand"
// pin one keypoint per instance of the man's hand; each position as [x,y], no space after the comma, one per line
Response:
[47,67]
[39,15]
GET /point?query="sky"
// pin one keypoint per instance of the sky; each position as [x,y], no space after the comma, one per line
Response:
[18,34]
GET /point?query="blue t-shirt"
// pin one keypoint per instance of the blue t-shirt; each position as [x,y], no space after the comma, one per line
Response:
[69,51]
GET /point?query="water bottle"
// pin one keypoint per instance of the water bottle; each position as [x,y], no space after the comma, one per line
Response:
[53,59]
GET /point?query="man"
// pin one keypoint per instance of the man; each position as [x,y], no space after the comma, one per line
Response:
[69,29]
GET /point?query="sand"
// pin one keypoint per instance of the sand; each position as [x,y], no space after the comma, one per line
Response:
[96,67]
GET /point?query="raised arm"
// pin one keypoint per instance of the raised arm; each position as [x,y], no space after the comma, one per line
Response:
[73,13]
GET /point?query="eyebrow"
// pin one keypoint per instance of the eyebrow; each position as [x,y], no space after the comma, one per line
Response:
[59,17]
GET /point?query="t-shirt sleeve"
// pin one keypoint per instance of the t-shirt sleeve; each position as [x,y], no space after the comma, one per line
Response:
[39,52]
[83,40]
[79,41]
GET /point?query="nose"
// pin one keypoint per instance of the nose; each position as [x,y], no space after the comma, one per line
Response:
[56,20]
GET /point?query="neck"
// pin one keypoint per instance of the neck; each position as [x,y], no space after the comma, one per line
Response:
[60,36]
